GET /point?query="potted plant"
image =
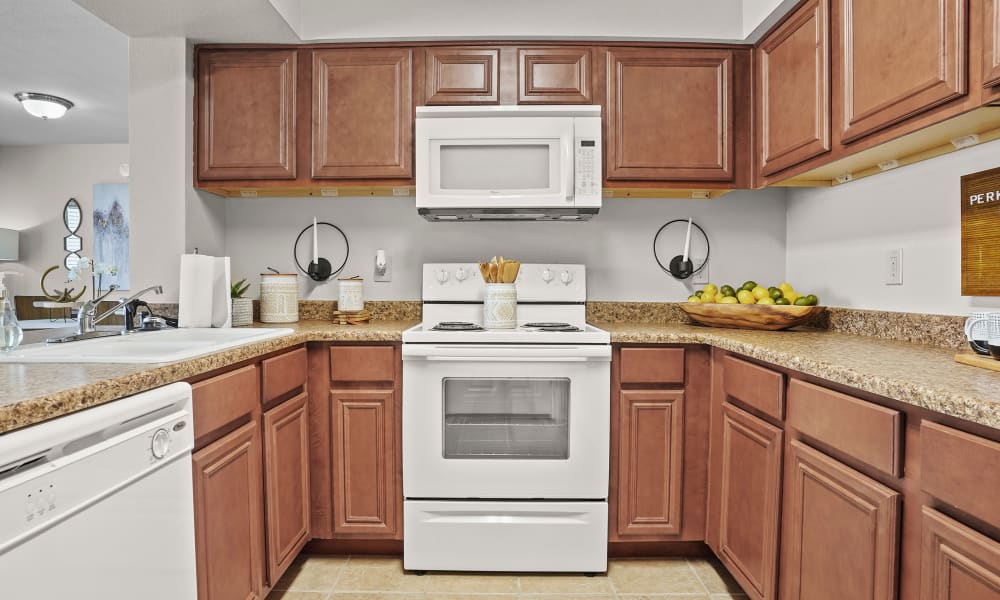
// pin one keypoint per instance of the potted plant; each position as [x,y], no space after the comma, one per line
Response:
[242,307]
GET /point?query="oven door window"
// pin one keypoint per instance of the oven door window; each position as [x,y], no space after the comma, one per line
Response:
[487,418]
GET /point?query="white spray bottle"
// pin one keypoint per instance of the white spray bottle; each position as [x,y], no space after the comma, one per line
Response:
[10,331]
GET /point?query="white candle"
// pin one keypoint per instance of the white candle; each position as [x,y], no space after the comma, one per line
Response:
[687,241]
[316,242]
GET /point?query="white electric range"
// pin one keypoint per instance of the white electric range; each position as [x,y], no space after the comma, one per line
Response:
[506,432]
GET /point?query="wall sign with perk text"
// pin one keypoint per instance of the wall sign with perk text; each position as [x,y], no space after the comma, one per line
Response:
[981,233]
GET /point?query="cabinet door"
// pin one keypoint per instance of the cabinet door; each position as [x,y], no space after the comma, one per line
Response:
[793,83]
[958,563]
[246,114]
[366,485]
[898,58]
[670,114]
[841,531]
[650,462]
[229,517]
[558,75]
[750,490]
[286,476]
[991,43]
[362,113]
[462,75]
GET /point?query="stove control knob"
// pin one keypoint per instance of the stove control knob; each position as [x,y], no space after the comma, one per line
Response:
[442,276]
[547,275]
[566,277]
[461,274]
[161,443]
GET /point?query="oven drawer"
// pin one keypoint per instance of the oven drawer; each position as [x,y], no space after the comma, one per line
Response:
[505,536]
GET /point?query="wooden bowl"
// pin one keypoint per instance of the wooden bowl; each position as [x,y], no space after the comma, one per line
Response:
[771,317]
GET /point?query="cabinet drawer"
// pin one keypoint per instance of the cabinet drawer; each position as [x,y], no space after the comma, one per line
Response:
[862,430]
[224,399]
[362,363]
[961,469]
[652,365]
[755,386]
[285,373]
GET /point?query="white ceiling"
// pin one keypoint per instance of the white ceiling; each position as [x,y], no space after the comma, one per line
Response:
[56,47]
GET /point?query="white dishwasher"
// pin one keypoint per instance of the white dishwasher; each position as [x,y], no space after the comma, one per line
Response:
[98,504]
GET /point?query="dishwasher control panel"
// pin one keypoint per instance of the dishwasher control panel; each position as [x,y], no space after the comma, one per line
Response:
[41,499]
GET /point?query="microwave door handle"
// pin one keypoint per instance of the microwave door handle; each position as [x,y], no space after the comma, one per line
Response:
[568,170]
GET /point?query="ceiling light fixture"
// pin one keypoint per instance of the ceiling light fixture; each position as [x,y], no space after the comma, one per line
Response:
[43,106]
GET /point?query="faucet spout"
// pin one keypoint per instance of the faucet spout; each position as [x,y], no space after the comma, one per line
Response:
[88,317]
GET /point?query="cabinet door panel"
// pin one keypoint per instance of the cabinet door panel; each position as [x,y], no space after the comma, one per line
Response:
[670,114]
[229,517]
[751,491]
[991,44]
[366,475]
[651,462]
[246,114]
[841,531]
[794,86]
[286,473]
[362,113]
[889,75]
[462,75]
[559,75]
[958,563]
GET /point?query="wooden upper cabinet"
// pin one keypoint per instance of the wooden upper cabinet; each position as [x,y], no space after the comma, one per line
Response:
[362,113]
[669,114]
[750,490]
[991,43]
[841,531]
[898,58]
[958,563]
[459,75]
[557,75]
[793,87]
[246,114]
[650,463]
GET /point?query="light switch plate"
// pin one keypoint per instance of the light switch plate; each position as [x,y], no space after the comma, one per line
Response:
[387,275]
[701,277]
[894,267]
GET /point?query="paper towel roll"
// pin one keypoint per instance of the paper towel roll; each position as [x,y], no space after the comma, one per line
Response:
[204,292]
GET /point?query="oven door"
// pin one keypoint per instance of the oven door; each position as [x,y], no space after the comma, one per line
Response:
[506,421]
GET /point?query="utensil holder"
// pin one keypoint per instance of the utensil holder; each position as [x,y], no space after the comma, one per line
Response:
[500,306]
[279,298]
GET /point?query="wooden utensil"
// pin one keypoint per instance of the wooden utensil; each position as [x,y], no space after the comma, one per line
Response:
[494,272]
[484,269]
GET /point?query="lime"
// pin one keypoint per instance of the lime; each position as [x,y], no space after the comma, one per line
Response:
[748,285]
[727,290]
[699,293]
[813,300]
[802,301]
[775,293]
[782,301]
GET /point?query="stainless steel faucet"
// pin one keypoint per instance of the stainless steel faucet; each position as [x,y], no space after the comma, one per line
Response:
[88,318]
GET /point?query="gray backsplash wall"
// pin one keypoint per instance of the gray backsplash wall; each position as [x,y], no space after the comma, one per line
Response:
[746,228]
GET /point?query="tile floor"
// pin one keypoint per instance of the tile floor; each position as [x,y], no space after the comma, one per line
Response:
[377,578]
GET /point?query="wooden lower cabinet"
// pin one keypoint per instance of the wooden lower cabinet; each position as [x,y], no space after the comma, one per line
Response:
[367,484]
[841,531]
[958,563]
[286,476]
[229,516]
[650,462]
[749,503]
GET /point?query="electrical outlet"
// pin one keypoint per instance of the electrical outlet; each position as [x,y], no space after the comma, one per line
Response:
[385,275]
[701,277]
[894,267]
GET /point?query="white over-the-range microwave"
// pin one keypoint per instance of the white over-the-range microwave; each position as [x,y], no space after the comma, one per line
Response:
[508,162]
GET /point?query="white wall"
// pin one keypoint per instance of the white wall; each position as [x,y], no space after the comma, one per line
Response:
[747,230]
[838,237]
[761,15]
[37,182]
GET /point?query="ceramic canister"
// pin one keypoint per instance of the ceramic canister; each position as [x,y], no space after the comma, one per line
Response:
[279,298]
[500,306]
[352,295]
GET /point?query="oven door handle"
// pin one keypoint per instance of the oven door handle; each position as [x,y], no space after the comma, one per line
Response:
[507,353]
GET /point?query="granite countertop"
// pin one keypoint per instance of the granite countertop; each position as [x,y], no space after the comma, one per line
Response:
[917,374]
[921,375]
[34,392]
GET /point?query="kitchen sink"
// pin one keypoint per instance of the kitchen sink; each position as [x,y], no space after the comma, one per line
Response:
[145,347]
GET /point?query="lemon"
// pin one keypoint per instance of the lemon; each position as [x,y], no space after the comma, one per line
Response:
[786,288]
[694,299]
[710,289]
[729,300]
[745,297]
[767,300]
[760,292]
[792,296]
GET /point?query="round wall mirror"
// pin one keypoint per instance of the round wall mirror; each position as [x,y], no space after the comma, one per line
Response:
[72,217]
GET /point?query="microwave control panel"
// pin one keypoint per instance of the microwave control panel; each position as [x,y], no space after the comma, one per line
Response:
[588,170]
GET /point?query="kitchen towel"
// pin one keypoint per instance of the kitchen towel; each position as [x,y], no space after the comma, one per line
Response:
[204,292]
